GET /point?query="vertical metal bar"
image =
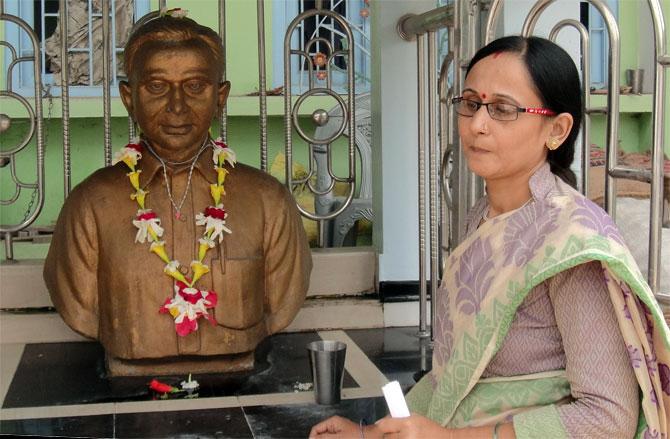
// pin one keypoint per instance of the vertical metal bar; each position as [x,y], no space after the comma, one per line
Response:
[434,153]
[65,95]
[260,17]
[90,43]
[421,94]
[106,101]
[612,105]
[43,54]
[288,141]
[132,132]
[9,243]
[162,4]
[462,179]
[586,93]
[223,119]
[658,138]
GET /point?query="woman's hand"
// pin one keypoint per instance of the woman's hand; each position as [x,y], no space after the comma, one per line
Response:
[335,427]
[414,426]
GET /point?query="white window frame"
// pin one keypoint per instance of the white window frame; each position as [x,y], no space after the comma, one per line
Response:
[22,75]
[599,44]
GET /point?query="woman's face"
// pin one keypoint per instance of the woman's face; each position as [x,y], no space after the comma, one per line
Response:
[499,150]
[173,95]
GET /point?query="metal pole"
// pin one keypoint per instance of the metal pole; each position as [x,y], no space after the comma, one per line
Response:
[260,16]
[421,93]
[65,95]
[411,25]
[223,118]
[612,92]
[586,93]
[658,138]
[434,154]
[106,85]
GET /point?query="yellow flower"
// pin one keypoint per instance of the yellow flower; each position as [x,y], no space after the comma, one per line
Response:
[216,192]
[158,247]
[140,195]
[198,270]
[221,174]
[205,244]
[135,178]
[130,160]
[174,311]
[172,269]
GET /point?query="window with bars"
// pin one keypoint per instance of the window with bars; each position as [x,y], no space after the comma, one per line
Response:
[84,43]
[357,15]
[598,39]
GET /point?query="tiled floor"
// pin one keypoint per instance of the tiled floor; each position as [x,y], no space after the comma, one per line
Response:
[60,389]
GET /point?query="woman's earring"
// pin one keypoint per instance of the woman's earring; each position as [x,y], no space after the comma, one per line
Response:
[553,143]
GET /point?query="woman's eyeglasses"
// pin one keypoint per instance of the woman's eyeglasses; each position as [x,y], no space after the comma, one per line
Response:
[497,110]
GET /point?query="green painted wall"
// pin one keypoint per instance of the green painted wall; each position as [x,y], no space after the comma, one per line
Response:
[635,132]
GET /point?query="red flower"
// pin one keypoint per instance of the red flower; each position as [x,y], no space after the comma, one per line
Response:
[159,387]
[215,212]
[146,216]
[136,146]
[220,144]
[186,326]
[211,298]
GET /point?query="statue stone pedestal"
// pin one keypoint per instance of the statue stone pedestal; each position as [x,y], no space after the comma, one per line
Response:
[182,365]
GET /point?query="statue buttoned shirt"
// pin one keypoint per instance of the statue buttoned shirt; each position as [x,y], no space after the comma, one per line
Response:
[108,287]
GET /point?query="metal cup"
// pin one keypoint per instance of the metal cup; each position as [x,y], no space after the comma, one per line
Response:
[326,358]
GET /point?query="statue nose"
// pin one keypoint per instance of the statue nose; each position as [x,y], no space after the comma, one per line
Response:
[176,101]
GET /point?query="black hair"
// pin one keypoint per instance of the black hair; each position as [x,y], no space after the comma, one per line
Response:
[556,81]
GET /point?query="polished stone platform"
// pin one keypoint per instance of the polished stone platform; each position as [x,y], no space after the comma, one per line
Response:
[60,389]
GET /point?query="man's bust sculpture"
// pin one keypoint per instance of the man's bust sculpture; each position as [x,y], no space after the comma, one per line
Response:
[177,259]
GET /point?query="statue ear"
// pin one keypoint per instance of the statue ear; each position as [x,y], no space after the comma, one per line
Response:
[224,90]
[127,97]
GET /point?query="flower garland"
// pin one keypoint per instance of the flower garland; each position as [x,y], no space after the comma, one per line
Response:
[188,303]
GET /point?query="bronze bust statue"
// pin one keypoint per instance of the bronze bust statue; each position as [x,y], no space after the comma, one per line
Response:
[113,268]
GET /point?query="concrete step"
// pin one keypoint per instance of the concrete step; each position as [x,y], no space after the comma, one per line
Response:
[316,314]
[336,272]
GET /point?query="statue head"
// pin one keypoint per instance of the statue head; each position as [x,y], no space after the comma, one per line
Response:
[174,87]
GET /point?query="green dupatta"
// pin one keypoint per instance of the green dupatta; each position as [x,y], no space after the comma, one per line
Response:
[488,276]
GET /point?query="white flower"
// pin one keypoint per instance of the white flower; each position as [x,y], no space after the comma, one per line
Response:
[228,154]
[127,154]
[189,385]
[211,223]
[144,225]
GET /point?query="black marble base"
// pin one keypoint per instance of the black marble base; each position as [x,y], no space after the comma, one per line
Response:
[73,373]
[296,420]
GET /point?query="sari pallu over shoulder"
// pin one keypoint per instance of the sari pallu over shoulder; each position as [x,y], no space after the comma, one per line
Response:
[486,279]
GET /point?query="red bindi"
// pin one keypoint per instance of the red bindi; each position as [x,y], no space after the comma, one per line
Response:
[483,95]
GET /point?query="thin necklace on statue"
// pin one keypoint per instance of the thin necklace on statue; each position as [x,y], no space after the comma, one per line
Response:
[177,207]
[485,217]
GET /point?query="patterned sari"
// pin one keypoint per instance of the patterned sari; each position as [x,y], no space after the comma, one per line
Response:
[486,279]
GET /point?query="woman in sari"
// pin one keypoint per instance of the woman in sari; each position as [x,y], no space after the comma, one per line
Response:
[545,326]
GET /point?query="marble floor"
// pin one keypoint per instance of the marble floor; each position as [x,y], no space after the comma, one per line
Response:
[60,389]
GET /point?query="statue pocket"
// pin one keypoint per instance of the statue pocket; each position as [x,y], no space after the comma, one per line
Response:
[240,286]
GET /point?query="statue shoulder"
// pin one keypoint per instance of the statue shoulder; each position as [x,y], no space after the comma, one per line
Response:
[255,182]
[102,183]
